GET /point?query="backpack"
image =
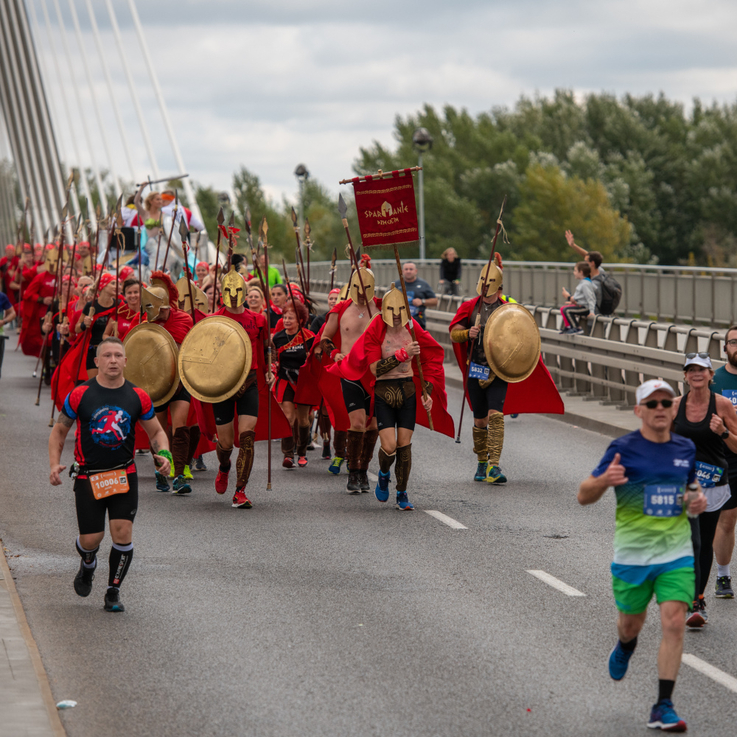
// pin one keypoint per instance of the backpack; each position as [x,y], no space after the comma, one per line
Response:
[611,293]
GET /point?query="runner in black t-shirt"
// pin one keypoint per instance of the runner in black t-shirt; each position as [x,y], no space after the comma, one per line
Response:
[106,409]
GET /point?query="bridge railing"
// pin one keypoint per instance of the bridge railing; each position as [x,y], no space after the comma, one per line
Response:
[697,295]
[606,365]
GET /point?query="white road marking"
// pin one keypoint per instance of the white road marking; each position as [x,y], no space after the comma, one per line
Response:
[715,674]
[556,583]
[446,520]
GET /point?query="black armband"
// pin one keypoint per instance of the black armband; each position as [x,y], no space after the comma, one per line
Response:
[386,365]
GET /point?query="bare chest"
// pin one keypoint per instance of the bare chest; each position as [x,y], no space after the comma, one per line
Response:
[352,324]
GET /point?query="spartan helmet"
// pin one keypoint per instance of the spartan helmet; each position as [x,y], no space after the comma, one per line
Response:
[234,289]
[343,294]
[354,285]
[51,260]
[393,304]
[153,300]
[493,275]
[200,298]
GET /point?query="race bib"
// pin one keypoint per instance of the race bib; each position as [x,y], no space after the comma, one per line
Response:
[107,483]
[663,501]
[731,394]
[476,371]
[708,475]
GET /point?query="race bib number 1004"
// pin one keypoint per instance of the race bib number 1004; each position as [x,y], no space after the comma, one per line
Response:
[663,501]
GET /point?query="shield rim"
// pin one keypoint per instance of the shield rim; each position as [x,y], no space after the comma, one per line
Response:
[487,334]
[246,368]
[149,326]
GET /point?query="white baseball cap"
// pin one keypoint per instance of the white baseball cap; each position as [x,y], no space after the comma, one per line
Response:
[649,387]
[698,359]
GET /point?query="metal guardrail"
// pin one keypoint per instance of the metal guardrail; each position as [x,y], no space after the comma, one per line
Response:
[606,365]
[689,294]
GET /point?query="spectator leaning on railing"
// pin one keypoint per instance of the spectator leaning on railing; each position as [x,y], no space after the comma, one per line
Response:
[583,301]
[598,274]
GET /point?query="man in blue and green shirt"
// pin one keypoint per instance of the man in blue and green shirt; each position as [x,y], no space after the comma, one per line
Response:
[650,469]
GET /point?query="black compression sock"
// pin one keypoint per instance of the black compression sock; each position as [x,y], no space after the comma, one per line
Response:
[628,647]
[665,689]
[89,557]
[120,561]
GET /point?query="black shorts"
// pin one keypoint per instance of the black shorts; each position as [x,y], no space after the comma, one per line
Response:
[485,400]
[402,416]
[355,396]
[731,503]
[180,395]
[246,404]
[91,511]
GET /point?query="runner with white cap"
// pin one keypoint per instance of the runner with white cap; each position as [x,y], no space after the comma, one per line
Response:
[650,469]
[709,420]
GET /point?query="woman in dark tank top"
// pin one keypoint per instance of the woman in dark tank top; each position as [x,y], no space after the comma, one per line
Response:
[710,421]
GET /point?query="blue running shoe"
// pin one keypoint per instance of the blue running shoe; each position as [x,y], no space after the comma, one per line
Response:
[480,474]
[382,488]
[403,503]
[494,475]
[181,485]
[619,659]
[663,716]
[162,483]
[334,467]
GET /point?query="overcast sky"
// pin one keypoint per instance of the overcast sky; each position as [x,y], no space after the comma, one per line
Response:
[270,84]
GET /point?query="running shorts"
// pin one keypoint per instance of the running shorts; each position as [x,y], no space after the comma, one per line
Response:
[485,400]
[355,396]
[91,511]
[246,404]
[634,586]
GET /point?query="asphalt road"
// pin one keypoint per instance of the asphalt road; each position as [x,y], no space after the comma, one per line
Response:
[321,613]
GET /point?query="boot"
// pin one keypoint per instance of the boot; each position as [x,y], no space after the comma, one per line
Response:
[354,446]
[481,451]
[194,441]
[221,480]
[494,444]
[339,442]
[245,459]
[404,466]
[287,448]
[367,453]
[304,439]
[385,463]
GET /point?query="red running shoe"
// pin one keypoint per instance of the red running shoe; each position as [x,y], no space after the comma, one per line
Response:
[240,500]
[302,461]
[288,462]
[221,482]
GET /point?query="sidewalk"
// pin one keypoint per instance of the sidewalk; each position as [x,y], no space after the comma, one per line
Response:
[579,412]
[26,705]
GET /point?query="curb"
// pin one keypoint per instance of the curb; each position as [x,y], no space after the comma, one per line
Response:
[38,667]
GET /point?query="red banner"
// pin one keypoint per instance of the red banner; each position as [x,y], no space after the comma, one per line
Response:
[386,209]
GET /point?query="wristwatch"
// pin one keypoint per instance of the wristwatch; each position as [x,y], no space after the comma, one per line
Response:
[724,435]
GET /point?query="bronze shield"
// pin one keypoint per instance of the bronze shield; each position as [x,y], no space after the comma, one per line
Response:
[152,361]
[215,359]
[512,342]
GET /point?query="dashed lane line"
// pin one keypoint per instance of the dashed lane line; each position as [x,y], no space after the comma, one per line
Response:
[556,583]
[710,671]
[445,519]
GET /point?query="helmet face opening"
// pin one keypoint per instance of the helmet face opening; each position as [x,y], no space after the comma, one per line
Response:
[234,289]
[354,286]
[51,260]
[393,306]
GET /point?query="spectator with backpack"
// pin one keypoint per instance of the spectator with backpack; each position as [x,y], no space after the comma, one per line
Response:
[607,289]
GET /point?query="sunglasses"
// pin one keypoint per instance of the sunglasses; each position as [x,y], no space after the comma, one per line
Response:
[653,403]
[689,356]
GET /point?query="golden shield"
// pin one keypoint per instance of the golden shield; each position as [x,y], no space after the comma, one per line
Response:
[215,359]
[152,361]
[512,342]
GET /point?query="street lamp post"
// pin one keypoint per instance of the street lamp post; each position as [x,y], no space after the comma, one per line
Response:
[422,142]
[302,176]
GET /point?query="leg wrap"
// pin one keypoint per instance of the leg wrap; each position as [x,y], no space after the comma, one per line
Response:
[223,457]
[287,446]
[194,441]
[386,461]
[245,458]
[479,444]
[404,466]
[120,561]
[89,557]
[495,437]
[304,440]
[367,451]
[339,442]
[180,449]
[323,423]
[354,446]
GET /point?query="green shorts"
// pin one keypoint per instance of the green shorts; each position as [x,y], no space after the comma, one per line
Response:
[634,586]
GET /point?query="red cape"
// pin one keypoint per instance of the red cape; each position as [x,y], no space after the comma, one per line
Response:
[31,338]
[536,394]
[367,349]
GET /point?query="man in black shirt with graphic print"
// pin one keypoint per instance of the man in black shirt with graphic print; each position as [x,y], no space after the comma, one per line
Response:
[106,408]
